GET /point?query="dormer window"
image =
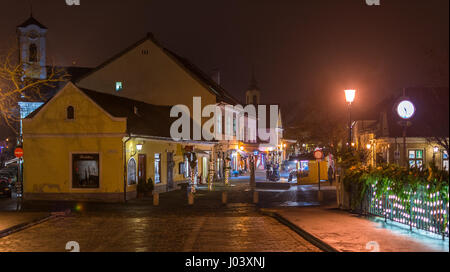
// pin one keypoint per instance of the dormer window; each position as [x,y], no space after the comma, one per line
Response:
[70,113]
[119,86]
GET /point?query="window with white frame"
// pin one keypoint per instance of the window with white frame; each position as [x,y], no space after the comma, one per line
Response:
[157,167]
[415,157]
[445,160]
[131,172]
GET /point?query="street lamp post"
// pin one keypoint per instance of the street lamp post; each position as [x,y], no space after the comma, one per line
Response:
[350,97]
[405,110]
[435,151]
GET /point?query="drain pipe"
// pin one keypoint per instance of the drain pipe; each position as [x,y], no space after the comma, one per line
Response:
[125,169]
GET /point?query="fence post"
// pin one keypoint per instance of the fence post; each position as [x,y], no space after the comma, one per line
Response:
[224,197]
[190,198]
[444,205]
[385,213]
[155,199]
[410,212]
[338,191]
[255,197]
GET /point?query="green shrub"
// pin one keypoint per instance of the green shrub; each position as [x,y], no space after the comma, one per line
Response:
[394,180]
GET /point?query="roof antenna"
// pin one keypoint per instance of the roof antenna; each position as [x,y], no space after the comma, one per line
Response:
[31,8]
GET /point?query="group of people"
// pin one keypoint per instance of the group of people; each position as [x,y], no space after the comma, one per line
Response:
[272,171]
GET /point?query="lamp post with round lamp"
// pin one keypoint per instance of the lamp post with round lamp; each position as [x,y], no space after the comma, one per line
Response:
[435,151]
[405,110]
[350,97]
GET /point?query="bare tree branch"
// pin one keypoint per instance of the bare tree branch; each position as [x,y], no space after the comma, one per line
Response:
[16,86]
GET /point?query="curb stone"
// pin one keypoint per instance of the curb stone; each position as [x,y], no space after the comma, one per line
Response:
[25,225]
[306,235]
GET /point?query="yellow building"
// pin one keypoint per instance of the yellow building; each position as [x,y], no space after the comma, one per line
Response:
[148,72]
[88,145]
[97,139]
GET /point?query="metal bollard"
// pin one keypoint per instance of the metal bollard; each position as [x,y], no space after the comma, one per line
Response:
[224,197]
[255,197]
[155,199]
[190,198]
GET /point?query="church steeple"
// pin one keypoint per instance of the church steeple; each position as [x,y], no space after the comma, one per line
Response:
[31,36]
[252,95]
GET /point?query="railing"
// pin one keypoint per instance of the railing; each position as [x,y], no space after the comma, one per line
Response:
[420,210]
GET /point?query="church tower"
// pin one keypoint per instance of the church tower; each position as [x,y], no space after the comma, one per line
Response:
[252,95]
[32,51]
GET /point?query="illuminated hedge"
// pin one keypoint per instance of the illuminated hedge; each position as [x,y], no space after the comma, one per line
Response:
[415,197]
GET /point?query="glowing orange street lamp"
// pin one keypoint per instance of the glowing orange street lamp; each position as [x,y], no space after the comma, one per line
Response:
[350,97]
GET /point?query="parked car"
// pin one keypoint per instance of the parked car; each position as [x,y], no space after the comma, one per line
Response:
[5,189]
[8,173]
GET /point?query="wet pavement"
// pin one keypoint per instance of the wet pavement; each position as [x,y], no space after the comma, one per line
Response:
[234,228]
[211,226]
[10,219]
[208,226]
[349,232]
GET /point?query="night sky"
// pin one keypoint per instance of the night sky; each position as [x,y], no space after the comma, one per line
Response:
[298,48]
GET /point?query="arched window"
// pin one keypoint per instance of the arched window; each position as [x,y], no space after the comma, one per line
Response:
[70,113]
[33,57]
[131,172]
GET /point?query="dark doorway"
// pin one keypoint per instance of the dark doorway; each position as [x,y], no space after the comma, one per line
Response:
[142,169]
[170,166]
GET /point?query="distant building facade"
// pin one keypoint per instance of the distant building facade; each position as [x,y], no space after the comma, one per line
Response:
[427,134]
[78,133]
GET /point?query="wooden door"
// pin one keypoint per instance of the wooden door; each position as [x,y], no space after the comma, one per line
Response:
[142,167]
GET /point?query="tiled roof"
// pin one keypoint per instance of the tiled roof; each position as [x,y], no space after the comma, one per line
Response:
[221,94]
[149,120]
[142,119]
[32,21]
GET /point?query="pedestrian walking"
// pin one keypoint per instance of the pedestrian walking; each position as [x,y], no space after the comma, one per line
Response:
[330,175]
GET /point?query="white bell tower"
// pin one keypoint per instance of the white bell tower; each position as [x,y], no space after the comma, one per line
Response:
[32,51]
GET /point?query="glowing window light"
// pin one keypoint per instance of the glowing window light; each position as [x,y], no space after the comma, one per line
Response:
[119,86]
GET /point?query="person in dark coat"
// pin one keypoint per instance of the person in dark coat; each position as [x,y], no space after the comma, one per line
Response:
[330,175]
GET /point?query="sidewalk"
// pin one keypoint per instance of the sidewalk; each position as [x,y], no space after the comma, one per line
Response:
[12,221]
[352,233]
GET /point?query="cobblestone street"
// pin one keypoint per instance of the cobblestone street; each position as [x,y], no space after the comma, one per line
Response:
[236,229]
